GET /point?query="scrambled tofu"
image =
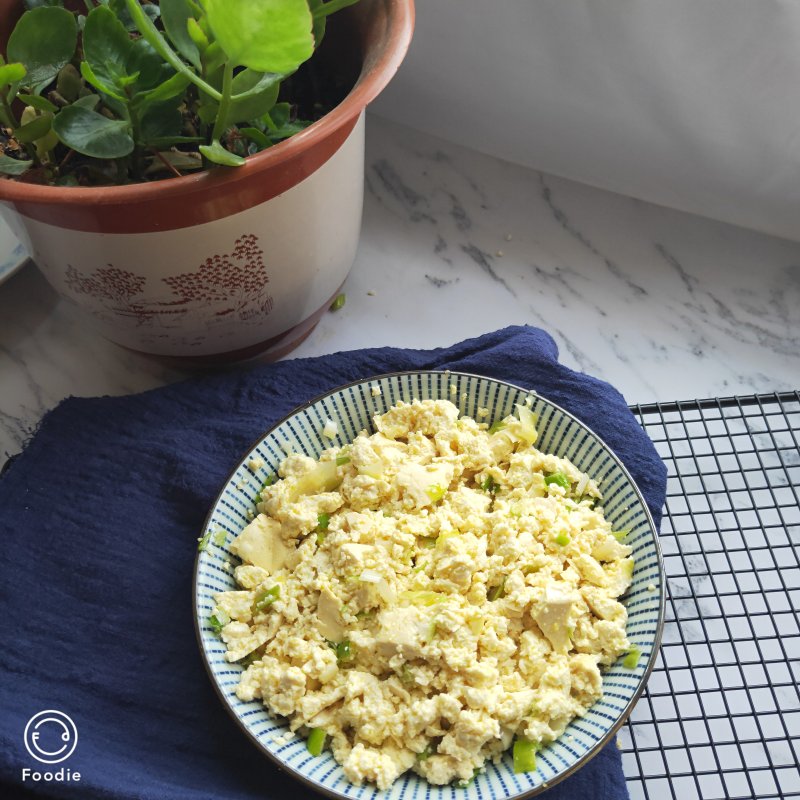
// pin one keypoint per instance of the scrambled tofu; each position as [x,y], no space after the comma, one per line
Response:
[427,594]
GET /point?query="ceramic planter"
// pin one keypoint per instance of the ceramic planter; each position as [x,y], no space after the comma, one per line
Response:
[230,263]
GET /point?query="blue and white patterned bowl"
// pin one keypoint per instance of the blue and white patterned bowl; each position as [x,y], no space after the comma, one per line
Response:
[352,408]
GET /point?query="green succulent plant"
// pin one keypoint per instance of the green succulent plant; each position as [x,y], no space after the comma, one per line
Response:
[128,90]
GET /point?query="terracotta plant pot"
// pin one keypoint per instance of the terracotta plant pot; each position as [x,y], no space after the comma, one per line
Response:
[229,263]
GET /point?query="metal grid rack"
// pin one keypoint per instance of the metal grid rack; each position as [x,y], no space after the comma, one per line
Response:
[720,717]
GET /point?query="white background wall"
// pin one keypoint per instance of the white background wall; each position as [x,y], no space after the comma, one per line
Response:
[694,104]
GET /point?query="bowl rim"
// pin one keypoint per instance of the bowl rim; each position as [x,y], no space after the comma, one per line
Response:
[580,762]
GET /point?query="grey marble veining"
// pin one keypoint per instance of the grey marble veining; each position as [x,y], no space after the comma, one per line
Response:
[662,304]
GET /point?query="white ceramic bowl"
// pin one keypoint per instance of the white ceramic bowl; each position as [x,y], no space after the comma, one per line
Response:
[352,407]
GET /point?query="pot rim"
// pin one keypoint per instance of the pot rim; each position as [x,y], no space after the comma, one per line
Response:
[375,75]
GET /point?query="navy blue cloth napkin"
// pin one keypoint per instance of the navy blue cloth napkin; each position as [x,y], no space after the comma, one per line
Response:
[99,518]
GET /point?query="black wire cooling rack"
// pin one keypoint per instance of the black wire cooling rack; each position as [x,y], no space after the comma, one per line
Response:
[720,717]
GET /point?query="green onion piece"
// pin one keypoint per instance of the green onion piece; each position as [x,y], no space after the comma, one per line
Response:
[562,539]
[339,302]
[631,661]
[524,756]
[268,482]
[497,426]
[323,520]
[430,634]
[216,624]
[462,784]
[344,651]
[620,535]
[559,479]
[406,675]
[490,486]
[220,537]
[321,537]
[425,754]
[202,543]
[342,460]
[316,741]
[496,592]
[266,598]
[427,542]
[249,658]
[435,492]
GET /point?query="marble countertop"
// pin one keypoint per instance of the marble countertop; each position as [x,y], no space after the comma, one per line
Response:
[662,304]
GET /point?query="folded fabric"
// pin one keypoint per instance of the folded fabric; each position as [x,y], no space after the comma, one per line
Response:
[99,519]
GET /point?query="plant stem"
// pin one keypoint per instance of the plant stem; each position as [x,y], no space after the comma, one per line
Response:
[12,120]
[221,122]
[153,37]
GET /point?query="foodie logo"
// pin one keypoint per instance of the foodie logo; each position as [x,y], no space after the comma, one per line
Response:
[50,736]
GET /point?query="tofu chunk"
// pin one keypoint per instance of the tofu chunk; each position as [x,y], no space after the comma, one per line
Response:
[552,614]
[329,620]
[260,543]
[400,632]
[423,482]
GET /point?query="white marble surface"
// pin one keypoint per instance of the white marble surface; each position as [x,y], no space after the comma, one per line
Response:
[663,304]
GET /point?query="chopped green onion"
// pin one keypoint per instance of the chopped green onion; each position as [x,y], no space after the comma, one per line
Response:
[497,426]
[249,658]
[524,756]
[203,542]
[462,784]
[621,535]
[425,754]
[344,651]
[528,421]
[266,598]
[323,520]
[490,486]
[406,675]
[496,592]
[427,542]
[220,537]
[559,479]
[342,460]
[631,661]
[339,302]
[435,492]
[316,741]
[422,597]
[562,539]
[430,634]
[268,482]
[216,624]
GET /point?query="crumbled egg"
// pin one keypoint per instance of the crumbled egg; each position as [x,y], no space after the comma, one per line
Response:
[423,602]
[255,464]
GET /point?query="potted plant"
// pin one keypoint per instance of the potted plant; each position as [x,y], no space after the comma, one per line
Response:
[163,167]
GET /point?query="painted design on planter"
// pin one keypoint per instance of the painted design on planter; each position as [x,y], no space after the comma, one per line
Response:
[224,287]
